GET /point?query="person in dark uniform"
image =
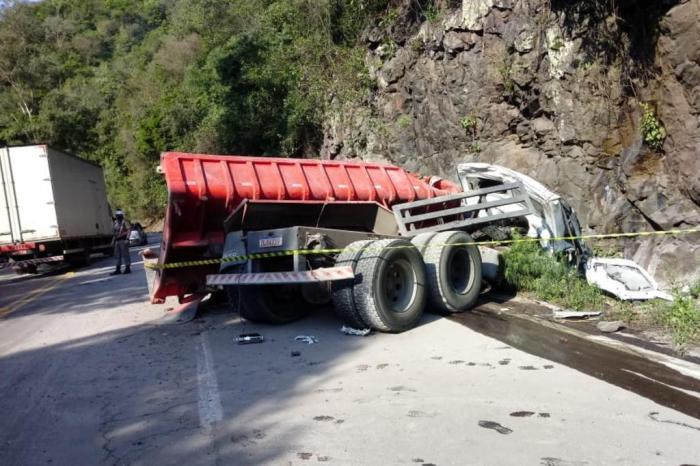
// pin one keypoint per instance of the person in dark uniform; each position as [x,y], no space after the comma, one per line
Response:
[121,242]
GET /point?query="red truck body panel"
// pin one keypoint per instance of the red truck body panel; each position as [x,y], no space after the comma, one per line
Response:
[203,190]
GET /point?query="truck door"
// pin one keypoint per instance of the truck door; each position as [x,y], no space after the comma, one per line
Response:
[28,182]
[6,234]
[98,214]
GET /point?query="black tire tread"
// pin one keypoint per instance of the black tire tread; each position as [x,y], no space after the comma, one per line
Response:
[367,267]
[421,240]
[342,291]
[432,256]
[246,300]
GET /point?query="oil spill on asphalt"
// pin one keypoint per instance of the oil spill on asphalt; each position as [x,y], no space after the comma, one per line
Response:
[646,378]
[548,461]
[495,426]
[527,368]
[655,417]
[522,414]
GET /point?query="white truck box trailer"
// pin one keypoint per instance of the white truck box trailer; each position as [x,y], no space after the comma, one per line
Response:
[51,204]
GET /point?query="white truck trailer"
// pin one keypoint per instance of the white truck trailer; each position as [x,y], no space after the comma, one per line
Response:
[53,208]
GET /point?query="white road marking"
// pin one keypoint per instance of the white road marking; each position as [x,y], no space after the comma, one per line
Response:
[209,403]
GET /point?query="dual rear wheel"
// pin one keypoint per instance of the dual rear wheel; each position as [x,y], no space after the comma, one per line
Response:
[394,281]
[389,289]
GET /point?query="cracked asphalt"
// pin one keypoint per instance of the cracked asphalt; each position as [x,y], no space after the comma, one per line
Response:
[89,374]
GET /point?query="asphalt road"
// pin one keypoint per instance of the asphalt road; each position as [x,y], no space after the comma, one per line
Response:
[89,375]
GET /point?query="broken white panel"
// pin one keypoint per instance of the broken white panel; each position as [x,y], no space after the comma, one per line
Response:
[623,278]
[550,212]
[354,331]
[566,314]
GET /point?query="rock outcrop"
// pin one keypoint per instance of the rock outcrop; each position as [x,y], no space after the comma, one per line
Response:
[554,90]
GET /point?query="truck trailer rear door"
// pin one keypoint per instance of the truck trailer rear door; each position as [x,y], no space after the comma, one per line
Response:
[28,183]
[6,232]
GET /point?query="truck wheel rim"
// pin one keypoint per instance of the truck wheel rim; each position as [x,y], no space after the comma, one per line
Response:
[399,285]
[459,268]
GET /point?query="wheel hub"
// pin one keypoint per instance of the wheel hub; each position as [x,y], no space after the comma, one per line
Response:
[459,268]
[399,285]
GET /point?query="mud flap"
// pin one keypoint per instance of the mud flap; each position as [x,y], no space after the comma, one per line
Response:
[150,263]
[185,312]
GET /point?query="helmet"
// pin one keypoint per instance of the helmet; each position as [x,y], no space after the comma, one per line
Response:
[118,213]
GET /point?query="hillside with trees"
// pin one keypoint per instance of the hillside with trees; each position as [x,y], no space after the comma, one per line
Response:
[119,81]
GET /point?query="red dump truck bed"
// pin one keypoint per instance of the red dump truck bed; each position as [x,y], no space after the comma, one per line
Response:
[204,190]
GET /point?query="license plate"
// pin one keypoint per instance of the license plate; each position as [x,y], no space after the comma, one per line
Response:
[270,242]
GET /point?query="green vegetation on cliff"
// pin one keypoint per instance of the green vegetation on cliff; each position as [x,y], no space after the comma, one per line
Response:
[119,81]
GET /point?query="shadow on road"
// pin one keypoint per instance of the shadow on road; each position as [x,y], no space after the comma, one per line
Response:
[135,395]
[140,393]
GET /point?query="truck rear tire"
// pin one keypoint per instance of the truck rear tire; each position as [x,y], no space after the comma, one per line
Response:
[78,259]
[342,291]
[454,271]
[390,294]
[421,241]
[25,269]
[272,304]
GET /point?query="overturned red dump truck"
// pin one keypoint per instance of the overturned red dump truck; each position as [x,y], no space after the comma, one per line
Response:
[281,236]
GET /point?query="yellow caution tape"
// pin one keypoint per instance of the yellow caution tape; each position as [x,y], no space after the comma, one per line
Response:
[307,252]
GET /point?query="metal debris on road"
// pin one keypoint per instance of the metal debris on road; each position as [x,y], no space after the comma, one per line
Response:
[564,314]
[308,339]
[354,331]
[249,338]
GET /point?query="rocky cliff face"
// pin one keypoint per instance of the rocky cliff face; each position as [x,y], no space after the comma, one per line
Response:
[556,90]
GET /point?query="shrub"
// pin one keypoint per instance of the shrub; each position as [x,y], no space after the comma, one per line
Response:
[505,70]
[404,121]
[432,13]
[529,268]
[653,131]
[681,317]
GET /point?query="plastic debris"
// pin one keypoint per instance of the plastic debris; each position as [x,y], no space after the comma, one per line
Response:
[576,314]
[308,339]
[624,279]
[610,327]
[249,338]
[354,331]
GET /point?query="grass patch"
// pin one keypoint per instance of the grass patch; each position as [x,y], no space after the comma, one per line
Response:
[680,317]
[695,289]
[529,268]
